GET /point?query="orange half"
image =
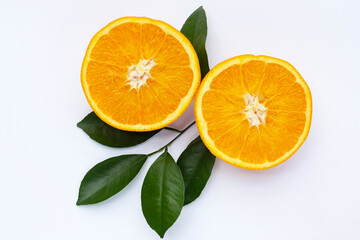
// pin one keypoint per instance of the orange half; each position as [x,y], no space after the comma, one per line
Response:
[139,74]
[253,112]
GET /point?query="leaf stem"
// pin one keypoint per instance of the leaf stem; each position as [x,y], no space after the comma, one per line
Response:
[169,143]
[159,150]
[172,129]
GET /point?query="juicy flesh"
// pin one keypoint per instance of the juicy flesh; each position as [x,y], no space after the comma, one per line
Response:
[255,112]
[138,74]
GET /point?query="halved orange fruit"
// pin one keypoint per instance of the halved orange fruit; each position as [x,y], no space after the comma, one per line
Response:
[253,112]
[139,74]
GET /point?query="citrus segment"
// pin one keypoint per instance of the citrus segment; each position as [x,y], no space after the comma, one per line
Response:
[103,73]
[253,72]
[253,111]
[152,39]
[294,99]
[172,53]
[126,36]
[106,51]
[252,150]
[172,78]
[235,134]
[139,74]
[234,86]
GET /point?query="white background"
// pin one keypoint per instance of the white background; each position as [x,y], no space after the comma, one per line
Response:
[314,195]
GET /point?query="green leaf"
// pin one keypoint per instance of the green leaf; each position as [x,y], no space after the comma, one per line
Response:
[109,177]
[103,133]
[162,194]
[195,29]
[196,163]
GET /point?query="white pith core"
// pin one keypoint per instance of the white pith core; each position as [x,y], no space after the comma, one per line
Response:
[139,73]
[255,112]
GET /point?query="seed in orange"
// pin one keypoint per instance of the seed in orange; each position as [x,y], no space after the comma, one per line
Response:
[253,112]
[139,74]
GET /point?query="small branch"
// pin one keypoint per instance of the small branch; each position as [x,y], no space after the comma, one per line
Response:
[172,129]
[180,134]
[169,143]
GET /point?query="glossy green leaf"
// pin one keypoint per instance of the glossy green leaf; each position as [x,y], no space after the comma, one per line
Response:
[109,177]
[196,163]
[103,133]
[162,194]
[195,29]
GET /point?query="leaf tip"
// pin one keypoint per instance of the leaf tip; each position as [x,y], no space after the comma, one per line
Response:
[80,124]
[161,234]
[78,203]
[201,8]
[82,200]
